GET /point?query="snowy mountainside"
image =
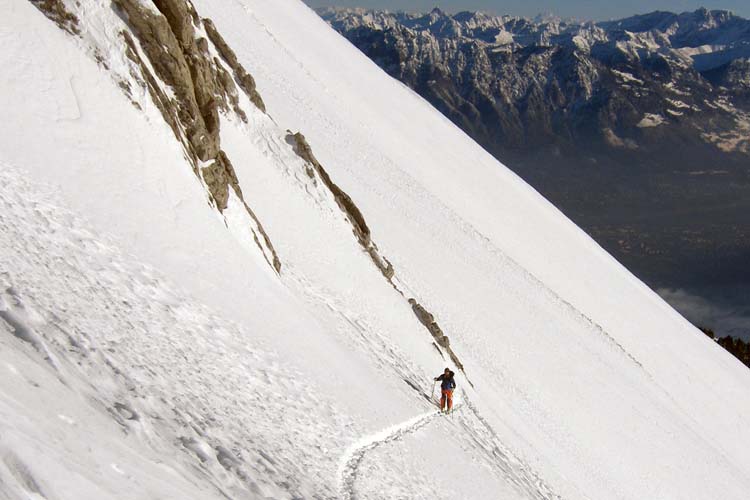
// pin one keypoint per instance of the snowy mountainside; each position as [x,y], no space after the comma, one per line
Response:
[198,301]
[115,336]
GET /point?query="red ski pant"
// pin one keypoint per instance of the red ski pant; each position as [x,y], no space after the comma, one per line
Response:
[447,397]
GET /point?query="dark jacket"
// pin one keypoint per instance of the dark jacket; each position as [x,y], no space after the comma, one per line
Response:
[447,381]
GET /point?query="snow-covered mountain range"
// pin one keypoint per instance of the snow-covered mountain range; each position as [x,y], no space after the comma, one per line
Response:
[637,129]
[235,253]
[518,83]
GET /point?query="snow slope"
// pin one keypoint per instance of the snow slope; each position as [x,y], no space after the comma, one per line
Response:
[149,351]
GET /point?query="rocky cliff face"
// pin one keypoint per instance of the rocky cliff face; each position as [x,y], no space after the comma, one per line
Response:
[181,62]
[638,129]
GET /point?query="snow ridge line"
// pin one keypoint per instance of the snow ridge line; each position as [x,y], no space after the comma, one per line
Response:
[355,453]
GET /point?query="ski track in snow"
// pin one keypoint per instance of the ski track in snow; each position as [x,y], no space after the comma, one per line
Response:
[480,433]
[354,455]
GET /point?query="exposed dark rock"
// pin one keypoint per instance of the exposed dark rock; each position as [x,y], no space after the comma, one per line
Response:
[178,64]
[219,176]
[160,99]
[275,261]
[57,12]
[242,77]
[344,201]
[202,87]
[225,85]
[181,16]
[362,233]
[428,320]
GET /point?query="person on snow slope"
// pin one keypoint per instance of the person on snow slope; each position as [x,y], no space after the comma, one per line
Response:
[447,385]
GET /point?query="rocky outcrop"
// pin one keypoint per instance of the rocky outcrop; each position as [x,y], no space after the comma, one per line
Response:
[428,320]
[243,78]
[168,40]
[361,231]
[159,98]
[219,177]
[56,11]
[345,203]
[201,88]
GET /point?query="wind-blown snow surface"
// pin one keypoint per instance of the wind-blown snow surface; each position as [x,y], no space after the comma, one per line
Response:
[148,351]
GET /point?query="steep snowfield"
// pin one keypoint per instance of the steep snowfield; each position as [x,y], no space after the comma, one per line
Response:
[150,351]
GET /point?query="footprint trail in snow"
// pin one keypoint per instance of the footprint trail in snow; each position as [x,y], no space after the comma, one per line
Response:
[135,356]
[354,455]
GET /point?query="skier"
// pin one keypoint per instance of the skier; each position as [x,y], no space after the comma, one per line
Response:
[446,389]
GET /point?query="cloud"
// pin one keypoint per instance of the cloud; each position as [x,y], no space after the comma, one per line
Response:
[727,311]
